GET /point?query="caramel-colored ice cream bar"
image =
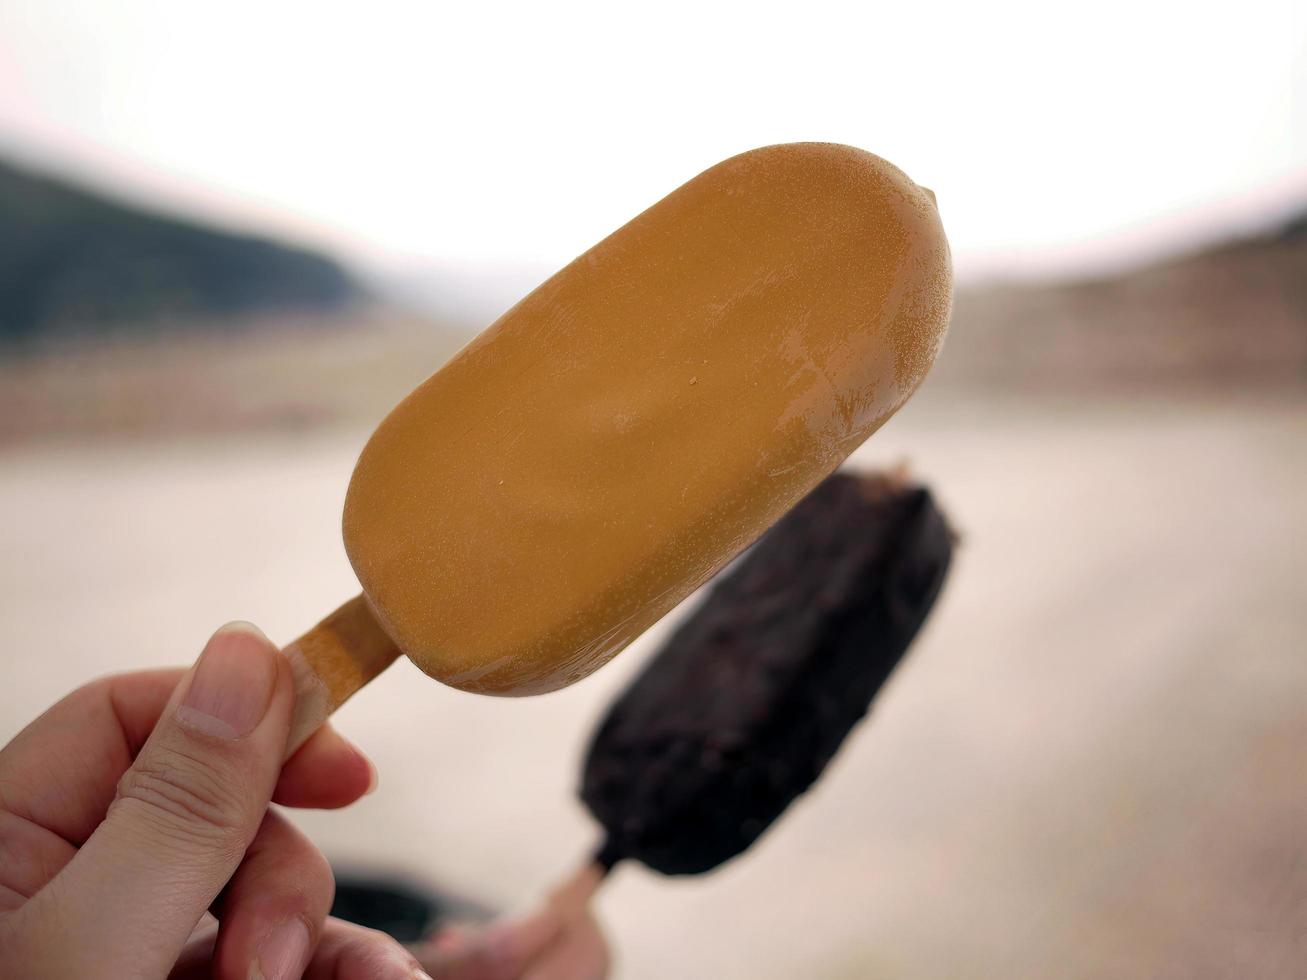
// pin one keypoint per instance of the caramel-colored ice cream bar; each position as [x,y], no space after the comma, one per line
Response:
[640,418]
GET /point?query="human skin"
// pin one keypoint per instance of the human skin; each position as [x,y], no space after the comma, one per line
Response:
[138,805]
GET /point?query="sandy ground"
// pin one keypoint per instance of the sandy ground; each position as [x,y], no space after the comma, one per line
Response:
[1091,766]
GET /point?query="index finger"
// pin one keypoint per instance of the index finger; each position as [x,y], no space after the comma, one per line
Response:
[61,771]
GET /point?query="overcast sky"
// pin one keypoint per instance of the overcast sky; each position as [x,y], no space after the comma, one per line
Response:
[481,135]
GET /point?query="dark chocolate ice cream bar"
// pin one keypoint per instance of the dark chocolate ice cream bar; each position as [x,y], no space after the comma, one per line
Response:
[751,697]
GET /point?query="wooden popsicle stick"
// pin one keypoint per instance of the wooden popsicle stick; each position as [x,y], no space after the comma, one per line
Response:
[332,661]
[574,894]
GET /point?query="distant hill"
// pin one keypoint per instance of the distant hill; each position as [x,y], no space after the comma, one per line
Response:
[1233,315]
[1227,315]
[72,260]
[1230,320]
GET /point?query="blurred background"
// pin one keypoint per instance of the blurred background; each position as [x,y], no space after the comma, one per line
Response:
[232,236]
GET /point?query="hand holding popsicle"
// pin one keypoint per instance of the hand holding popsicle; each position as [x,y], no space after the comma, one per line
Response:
[634,423]
[138,805]
[559,938]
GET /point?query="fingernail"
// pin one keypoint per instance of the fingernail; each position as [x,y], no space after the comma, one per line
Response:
[499,941]
[421,974]
[283,952]
[373,778]
[447,940]
[232,683]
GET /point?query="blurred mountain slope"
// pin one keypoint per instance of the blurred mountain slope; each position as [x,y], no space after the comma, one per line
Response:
[1227,321]
[1233,315]
[73,260]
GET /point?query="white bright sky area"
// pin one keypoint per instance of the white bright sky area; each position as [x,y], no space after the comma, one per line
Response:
[480,136]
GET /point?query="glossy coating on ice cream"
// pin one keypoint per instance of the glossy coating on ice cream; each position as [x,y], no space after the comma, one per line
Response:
[645,414]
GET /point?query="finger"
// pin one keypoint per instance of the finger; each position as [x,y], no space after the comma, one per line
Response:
[30,856]
[350,952]
[196,959]
[328,771]
[60,772]
[580,953]
[58,776]
[185,813]
[94,734]
[345,952]
[501,951]
[274,906]
[461,953]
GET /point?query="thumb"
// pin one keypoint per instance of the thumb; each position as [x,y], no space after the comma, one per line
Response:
[185,812]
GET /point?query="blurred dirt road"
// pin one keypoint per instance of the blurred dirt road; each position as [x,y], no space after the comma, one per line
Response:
[1091,766]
